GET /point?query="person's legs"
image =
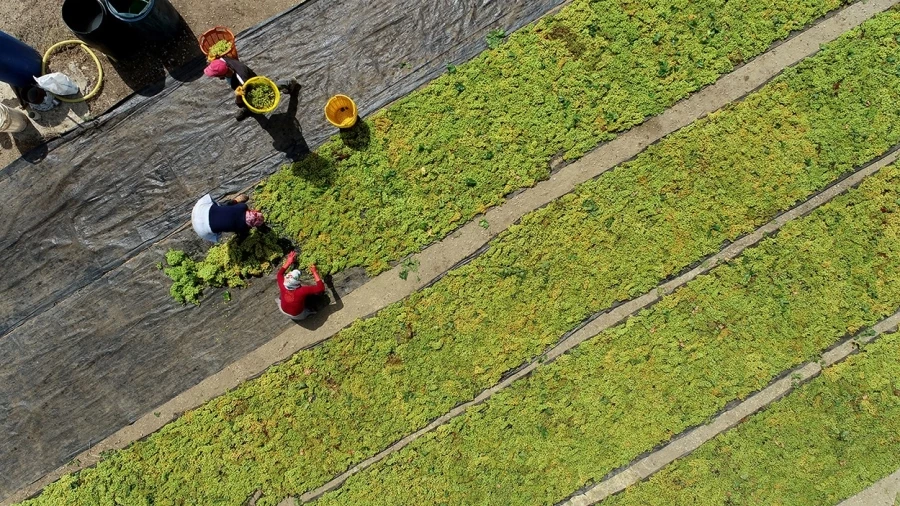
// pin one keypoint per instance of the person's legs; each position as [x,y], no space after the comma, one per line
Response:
[238,199]
[243,113]
[303,315]
[288,86]
[21,94]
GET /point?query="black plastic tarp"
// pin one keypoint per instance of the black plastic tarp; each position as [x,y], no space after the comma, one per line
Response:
[89,338]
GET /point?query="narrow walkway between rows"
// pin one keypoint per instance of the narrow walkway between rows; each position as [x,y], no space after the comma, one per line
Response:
[885,492]
[685,443]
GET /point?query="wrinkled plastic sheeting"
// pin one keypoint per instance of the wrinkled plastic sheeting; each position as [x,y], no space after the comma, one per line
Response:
[89,338]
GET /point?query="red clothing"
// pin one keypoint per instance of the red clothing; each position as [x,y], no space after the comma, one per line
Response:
[293,302]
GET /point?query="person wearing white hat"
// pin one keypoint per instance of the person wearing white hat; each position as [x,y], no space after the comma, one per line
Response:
[292,299]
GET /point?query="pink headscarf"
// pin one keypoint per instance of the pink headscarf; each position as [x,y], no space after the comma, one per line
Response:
[254,219]
[216,68]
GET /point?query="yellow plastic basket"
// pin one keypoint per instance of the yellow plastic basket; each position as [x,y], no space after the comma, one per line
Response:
[260,81]
[340,111]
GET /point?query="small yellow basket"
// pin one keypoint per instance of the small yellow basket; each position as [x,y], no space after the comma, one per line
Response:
[260,81]
[340,111]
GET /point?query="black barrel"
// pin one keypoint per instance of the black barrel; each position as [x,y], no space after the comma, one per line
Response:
[90,21]
[154,20]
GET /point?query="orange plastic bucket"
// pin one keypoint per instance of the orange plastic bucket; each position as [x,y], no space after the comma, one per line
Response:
[213,35]
[340,111]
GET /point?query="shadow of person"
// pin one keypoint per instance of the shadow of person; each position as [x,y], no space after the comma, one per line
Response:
[358,136]
[141,72]
[315,170]
[29,143]
[182,56]
[144,71]
[285,130]
[323,305]
[75,111]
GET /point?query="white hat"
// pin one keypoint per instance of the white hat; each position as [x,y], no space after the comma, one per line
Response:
[292,280]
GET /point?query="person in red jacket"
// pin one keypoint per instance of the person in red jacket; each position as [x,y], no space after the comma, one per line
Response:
[292,300]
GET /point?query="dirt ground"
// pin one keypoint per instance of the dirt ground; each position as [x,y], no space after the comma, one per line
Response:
[39,24]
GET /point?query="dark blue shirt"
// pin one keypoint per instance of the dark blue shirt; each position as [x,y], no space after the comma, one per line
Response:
[228,218]
[239,70]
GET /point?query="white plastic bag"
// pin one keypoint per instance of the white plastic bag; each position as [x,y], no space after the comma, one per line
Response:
[57,83]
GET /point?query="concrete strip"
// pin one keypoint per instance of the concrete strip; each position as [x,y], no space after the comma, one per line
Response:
[885,492]
[615,316]
[691,440]
[434,261]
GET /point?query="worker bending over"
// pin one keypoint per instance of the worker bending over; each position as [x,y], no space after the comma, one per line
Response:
[292,300]
[210,220]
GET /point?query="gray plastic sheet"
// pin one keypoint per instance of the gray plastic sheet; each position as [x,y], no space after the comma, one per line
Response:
[89,338]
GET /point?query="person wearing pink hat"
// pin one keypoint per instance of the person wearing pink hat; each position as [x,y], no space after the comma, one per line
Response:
[236,73]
